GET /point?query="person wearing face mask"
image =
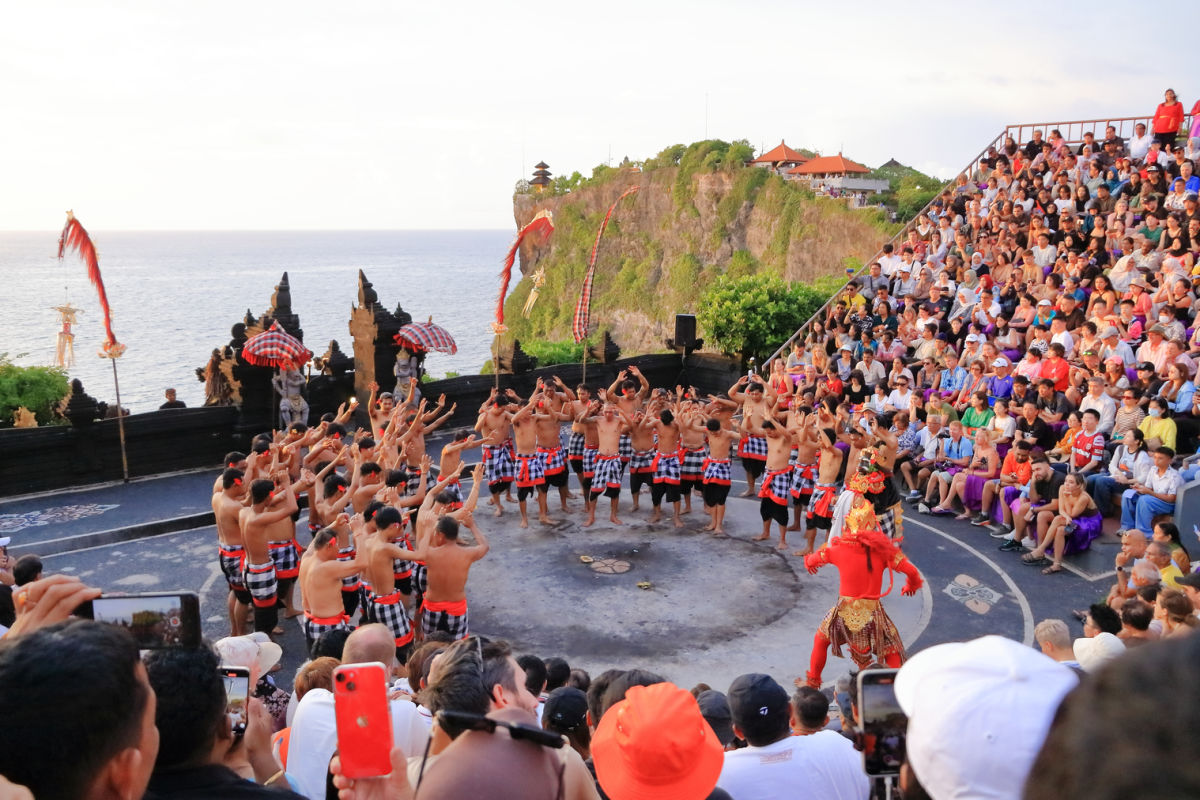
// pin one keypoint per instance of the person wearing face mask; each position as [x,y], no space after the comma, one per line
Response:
[1158,427]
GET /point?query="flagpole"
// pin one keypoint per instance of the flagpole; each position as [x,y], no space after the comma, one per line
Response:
[583,380]
[120,423]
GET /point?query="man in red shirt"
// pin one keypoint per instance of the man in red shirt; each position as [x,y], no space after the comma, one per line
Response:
[1056,368]
[1087,451]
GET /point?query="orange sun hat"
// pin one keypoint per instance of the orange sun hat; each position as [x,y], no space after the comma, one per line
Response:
[656,745]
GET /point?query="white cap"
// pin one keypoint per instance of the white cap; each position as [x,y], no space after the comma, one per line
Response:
[4,540]
[1093,653]
[249,651]
[1000,362]
[978,713]
[971,337]
[1044,302]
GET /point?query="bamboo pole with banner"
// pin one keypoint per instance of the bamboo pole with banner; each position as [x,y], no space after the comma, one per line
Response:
[75,237]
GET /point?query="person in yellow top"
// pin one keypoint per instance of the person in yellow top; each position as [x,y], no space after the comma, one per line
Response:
[1159,555]
[1158,424]
[1061,453]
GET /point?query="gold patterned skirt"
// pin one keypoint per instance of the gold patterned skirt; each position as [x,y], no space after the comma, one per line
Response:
[862,625]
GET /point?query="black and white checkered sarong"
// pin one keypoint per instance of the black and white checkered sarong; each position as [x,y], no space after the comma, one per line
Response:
[448,617]
[692,468]
[625,447]
[260,580]
[390,611]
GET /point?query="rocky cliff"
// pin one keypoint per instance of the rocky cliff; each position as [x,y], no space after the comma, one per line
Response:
[700,213]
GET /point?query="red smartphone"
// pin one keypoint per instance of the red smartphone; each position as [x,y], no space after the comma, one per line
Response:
[364,720]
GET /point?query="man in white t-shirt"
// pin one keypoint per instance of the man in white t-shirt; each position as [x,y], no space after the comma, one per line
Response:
[777,765]
[313,738]
[889,261]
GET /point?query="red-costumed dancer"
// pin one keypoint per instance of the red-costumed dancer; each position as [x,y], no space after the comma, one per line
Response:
[862,554]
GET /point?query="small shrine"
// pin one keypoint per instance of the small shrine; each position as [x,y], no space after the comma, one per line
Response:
[541,177]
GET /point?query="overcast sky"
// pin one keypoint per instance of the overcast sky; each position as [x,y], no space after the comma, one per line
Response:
[211,114]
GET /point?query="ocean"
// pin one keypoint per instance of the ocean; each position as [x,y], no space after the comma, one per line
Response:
[175,296]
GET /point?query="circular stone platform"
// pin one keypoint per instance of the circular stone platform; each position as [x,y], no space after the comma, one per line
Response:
[682,602]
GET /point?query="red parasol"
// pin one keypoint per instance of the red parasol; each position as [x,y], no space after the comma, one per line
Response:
[421,337]
[275,347]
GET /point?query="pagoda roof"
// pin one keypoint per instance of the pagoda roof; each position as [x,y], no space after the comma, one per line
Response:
[779,154]
[541,165]
[828,165]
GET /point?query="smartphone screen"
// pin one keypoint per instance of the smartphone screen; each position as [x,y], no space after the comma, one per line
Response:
[156,620]
[237,697]
[884,725]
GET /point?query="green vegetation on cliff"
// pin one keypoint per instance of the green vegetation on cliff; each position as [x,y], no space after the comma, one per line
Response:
[702,215]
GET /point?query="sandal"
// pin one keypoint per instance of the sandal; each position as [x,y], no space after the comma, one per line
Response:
[1052,569]
[1034,560]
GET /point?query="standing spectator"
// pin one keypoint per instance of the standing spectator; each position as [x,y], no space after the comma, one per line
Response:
[1167,119]
[171,401]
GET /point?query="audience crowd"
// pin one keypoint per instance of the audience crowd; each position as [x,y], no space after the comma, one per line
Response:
[1031,346]
[1032,341]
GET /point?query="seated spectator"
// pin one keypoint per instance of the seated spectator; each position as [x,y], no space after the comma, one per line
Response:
[1135,624]
[316,674]
[1093,652]
[917,469]
[1166,532]
[1133,551]
[774,763]
[1144,501]
[78,710]
[1158,427]
[1129,465]
[198,754]
[1176,614]
[1159,555]
[1053,637]
[565,712]
[1074,526]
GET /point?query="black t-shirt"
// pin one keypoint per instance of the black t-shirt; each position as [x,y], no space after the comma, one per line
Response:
[941,306]
[1047,490]
[1041,432]
[172,404]
[858,395]
[1058,404]
[1074,319]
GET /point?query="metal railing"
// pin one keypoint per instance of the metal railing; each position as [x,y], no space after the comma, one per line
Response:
[1123,125]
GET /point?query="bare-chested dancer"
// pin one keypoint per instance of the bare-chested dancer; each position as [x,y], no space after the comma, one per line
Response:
[755,410]
[494,425]
[807,444]
[829,464]
[530,473]
[666,464]
[611,424]
[553,410]
[450,463]
[257,522]
[321,574]
[717,472]
[694,450]
[641,465]
[576,444]
[776,492]
[629,396]
[227,505]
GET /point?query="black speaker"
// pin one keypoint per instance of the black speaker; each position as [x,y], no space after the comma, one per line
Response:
[685,330]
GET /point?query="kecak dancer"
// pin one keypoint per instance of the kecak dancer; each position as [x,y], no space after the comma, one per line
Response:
[862,553]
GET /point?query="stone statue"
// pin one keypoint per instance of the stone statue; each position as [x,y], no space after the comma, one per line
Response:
[289,383]
[408,365]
